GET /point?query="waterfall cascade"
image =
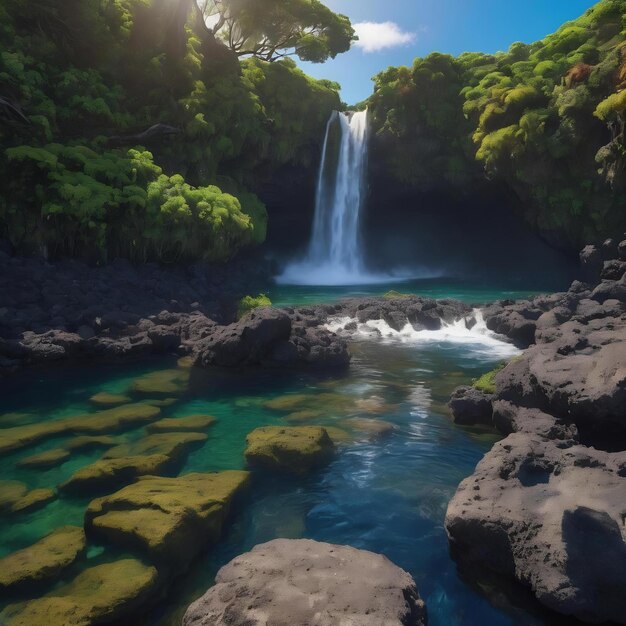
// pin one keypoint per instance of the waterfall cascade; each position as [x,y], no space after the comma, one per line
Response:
[335,254]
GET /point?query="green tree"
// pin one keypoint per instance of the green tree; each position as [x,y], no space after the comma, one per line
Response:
[272,29]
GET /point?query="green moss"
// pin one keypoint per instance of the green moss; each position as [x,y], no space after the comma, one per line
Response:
[395,295]
[249,303]
[168,519]
[43,561]
[486,383]
[294,449]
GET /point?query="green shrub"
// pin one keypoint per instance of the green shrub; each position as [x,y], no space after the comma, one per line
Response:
[249,303]
[486,383]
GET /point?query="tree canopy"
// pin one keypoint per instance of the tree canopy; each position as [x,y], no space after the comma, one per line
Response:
[273,29]
[547,119]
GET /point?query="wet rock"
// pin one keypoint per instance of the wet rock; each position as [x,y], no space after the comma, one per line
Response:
[550,515]
[45,460]
[174,445]
[295,449]
[43,561]
[189,423]
[303,416]
[372,428]
[85,443]
[287,582]
[102,594]
[169,519]
[109,399]
[107,474]
[163,382]
[470,406]
[15,497]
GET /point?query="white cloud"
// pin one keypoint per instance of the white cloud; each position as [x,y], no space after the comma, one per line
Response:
[376,36]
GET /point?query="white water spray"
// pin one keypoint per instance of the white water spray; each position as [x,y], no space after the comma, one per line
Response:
[335,254]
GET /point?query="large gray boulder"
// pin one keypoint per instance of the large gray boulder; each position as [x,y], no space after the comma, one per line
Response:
[549,514]
[307,583]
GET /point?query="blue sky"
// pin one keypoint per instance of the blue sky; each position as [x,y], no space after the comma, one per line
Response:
[412,28]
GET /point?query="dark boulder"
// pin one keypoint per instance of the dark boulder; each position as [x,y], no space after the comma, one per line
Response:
[471,406]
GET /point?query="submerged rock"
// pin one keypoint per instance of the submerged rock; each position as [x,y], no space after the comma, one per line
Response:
[287,582]
[109,399]
[99,595]
[189,423]
[42,561]
[16,498]
[106,474]
[163,382]
[174,445]
[373,428]
[45,460]
[296,449]
[170,520]
[100,422]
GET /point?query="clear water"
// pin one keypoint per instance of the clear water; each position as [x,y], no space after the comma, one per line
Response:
[472,292]
[386,494]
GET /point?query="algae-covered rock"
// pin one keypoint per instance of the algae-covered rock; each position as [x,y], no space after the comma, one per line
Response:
[11,491]
[289,402]
[172,445]
[162,403]
[296,449]
[111,420]
[339,436]
[110,473]
[109,399]
[45,460]
[303,416]
[163,382]
[99,595]
[168,519]
[189,423]
[100,422]
[370,427]
[84,443]
[16,498]
[33,500]
[44,560]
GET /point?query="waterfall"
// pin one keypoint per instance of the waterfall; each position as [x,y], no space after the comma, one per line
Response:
[336,240]
[335,253]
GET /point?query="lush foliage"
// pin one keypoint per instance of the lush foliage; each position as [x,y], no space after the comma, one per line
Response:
[272,29]
[81,82]
[547,119]
[249,303]
[487,382]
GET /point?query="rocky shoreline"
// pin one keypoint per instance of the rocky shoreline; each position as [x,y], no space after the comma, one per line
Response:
[546,506]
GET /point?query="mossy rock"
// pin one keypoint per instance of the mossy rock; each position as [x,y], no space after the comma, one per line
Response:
[102,594]
[11,491]
[487,382]
[108,474]
[85,443]
[172,381]
[17,418]
[373,428]
[43,561]
[100,422]
[33,500]
[373,404]
[189,423]
[294,449]
[154,454]
[396,295]
[114,419]
[174,445]
[185,362]
[303,416]
[16,498]
[168,519]
[45,460]
[162,403]
[109,399]
[288,403]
